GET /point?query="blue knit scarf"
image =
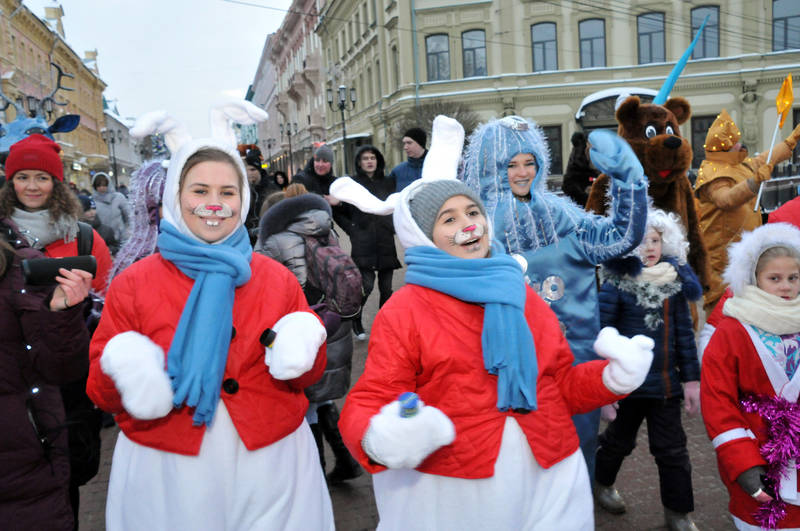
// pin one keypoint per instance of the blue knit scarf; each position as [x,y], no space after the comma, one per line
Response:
[506,340]
[199,350]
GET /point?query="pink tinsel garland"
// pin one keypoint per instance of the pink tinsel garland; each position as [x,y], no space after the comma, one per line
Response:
[783,444]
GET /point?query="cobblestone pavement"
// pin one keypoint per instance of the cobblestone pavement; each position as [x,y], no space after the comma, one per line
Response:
[354,505]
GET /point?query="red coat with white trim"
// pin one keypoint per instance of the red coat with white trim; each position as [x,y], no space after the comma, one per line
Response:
[732,370]
[149,296]
[430,343]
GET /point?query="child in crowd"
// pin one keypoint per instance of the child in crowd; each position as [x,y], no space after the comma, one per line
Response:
[648,294]
[750,384]
[492,369]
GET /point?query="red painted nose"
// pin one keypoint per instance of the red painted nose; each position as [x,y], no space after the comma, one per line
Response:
[470,228]
[214,208]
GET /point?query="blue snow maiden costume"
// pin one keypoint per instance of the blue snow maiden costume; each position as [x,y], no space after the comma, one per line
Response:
[560,242]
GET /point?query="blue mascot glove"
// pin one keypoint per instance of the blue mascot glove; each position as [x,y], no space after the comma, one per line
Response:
[612,155]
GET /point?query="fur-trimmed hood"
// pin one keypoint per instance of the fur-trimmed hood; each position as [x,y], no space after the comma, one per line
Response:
[743,255]
[627,268]
[285,212]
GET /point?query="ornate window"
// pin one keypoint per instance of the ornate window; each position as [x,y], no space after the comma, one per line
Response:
[473,44]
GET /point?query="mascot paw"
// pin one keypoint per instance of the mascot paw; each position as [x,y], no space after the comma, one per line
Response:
[629,359]
[612,155]
[136,365]
[405,442]
[298,337]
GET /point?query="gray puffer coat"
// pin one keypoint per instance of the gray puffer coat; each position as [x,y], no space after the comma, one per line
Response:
[281,237]
[114,212]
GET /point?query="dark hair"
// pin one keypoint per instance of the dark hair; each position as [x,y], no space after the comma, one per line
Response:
[285,182]
[210,154]
[62,201]
[100,180]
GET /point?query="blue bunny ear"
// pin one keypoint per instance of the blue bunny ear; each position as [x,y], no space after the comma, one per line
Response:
[65,124]
[672,78]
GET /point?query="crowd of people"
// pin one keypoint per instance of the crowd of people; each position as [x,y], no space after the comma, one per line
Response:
[211,313]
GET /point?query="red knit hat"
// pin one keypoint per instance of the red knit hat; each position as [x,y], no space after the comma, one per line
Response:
[37,152]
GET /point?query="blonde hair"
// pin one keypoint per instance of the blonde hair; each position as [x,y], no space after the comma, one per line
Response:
[293,190]
[779,251]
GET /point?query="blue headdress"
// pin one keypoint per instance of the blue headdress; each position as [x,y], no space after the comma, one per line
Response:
[521,226]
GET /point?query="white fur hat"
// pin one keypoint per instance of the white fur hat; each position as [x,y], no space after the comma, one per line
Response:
[673,235]
[441,163]
[743,255]
[182,146]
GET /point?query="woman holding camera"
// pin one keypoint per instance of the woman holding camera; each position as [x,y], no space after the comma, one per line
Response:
[41,209]
[44,345]
[38,210]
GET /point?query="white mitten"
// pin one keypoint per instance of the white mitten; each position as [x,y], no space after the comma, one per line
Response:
[136,364]
[404,442]
[629,359]
[298,336]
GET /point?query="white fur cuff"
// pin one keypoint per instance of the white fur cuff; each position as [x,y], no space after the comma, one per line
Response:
[136,365]
[405,442]
[629,359]
[298,337]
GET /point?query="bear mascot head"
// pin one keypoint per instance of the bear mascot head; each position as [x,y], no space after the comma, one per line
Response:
[653,132]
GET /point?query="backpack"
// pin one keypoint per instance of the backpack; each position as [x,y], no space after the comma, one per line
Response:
[334,273]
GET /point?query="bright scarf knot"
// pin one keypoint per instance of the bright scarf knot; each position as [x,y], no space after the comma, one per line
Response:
[199,350]
[506,340]
[783,444]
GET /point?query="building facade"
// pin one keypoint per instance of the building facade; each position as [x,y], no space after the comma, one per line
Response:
[28,46]
[541,59]
[299,98]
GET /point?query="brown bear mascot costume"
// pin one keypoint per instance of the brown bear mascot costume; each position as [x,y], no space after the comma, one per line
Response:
[653,133]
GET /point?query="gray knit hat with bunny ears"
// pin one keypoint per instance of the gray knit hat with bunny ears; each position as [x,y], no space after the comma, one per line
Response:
[426,201]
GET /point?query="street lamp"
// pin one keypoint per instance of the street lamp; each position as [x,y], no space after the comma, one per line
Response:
[270,144]
[288,131]
[111,137]
[342,105]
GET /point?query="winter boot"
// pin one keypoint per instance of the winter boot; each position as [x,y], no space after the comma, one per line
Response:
[609,498]
[346,467]
[678,521]
[316,430]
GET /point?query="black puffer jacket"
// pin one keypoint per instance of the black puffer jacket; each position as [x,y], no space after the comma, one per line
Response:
[40,349]
[371,236]
[281,238]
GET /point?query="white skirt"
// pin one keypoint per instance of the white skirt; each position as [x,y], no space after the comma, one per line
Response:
[225,487]
[520,496]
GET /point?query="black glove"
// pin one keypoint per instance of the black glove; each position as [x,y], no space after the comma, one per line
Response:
[753,479]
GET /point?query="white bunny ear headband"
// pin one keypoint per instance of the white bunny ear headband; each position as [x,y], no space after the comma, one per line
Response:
[441,162]
[182,146]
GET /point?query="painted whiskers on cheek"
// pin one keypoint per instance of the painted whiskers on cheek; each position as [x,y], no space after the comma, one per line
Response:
[468,233]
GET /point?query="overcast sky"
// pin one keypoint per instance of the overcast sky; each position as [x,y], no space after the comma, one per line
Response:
[176,55]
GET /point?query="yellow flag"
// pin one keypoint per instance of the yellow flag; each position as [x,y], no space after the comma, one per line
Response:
[784,99]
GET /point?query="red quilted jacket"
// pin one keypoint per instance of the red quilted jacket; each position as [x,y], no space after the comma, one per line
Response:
[148,298]
[428,342]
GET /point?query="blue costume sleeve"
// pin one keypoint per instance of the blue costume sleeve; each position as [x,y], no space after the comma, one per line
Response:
[623,229]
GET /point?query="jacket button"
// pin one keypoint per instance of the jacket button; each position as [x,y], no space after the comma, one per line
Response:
[230,386]
[233,332]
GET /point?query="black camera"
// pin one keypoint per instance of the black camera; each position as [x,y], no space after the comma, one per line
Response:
[43,271]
